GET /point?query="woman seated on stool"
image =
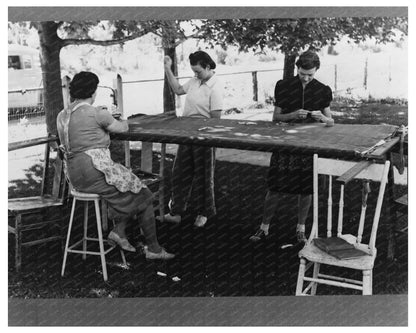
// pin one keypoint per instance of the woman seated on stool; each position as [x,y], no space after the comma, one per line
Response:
[84,134]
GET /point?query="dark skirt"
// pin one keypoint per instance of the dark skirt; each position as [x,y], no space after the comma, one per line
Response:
[290,173]
[85,178]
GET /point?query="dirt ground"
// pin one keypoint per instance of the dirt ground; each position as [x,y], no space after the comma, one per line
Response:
[217,260]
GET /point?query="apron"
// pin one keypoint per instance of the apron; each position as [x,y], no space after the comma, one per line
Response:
[115,174]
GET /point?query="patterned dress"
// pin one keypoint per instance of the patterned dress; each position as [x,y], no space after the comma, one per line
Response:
[293,173]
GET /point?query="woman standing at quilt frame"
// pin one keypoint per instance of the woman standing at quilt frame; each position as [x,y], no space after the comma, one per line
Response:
[195,164]
[299,99]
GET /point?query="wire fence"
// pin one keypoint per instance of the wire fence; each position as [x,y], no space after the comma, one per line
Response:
[25,103]
[242,88]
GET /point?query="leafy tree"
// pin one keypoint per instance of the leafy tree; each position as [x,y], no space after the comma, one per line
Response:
[53,36]
[292,36]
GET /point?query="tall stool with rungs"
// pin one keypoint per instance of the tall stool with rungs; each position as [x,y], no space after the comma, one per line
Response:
[86,198]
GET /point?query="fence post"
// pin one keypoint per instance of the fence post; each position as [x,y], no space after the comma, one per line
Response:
[335,77]
[118,86]
[365,73]
[65,90]
[255,86]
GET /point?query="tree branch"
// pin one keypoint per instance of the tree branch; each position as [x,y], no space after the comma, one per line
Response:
[74,41]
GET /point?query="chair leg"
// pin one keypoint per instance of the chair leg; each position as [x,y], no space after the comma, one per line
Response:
[301,275]
[123,257]
[71,219]
[18,244]
[367,282]
[100,239]
[84,239]
[316,267]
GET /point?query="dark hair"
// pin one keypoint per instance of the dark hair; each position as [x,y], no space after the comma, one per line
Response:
[201,58]
[308,60]
[83,85]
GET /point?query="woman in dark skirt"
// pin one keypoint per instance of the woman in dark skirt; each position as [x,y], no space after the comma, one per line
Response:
[301,99]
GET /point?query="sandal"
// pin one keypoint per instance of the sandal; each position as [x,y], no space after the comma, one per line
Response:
[160,255]
[259,235]
[122,242]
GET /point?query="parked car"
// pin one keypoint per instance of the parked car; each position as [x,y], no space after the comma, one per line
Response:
[24,80]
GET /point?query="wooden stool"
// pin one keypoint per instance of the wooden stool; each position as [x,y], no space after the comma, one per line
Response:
[86,198]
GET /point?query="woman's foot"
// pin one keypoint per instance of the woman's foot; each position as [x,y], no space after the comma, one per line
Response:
[259,235]
[163,255]
[172,218]
[122,242]
[300,233]
[200,221]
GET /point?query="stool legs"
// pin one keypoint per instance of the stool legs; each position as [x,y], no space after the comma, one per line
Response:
[84,240]
[71,219]
[100,239]
[101,220]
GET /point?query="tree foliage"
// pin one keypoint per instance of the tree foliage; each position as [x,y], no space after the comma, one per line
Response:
[292,36]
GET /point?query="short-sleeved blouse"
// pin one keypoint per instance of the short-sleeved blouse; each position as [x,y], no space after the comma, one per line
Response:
[290,96]
[87,128]
[203,98]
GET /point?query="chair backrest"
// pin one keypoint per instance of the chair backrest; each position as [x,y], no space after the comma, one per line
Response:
[333,169]
[59,184]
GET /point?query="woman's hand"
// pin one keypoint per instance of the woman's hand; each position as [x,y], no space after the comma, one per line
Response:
[167,61]
[301,114]
[319,116]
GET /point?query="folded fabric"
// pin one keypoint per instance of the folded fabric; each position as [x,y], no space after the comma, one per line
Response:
[338,248]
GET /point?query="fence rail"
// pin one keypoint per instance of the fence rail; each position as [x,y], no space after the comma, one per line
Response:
[28,103]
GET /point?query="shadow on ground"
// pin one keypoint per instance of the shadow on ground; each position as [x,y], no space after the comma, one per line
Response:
[217,260]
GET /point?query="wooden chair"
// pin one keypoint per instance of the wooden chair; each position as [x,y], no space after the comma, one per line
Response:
[20,209]
[314,256]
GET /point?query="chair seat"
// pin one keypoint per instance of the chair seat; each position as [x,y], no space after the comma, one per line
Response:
[313,253]
[84,195]
[27,204]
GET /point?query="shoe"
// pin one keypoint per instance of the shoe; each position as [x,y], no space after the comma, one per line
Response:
[163,255]
[122,242]
[300,235]
[200,221]
[172,218]
[259,235]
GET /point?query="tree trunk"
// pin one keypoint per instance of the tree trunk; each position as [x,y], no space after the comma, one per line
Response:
[289,65]
[169,49]
[168,94]
[50,47]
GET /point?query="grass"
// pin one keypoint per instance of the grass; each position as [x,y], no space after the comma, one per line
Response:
[217,260]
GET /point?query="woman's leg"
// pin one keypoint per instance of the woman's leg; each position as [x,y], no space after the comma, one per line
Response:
[270,205]
[148,226]
[182,176]
[304,203]
[120,227]
[204,166]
